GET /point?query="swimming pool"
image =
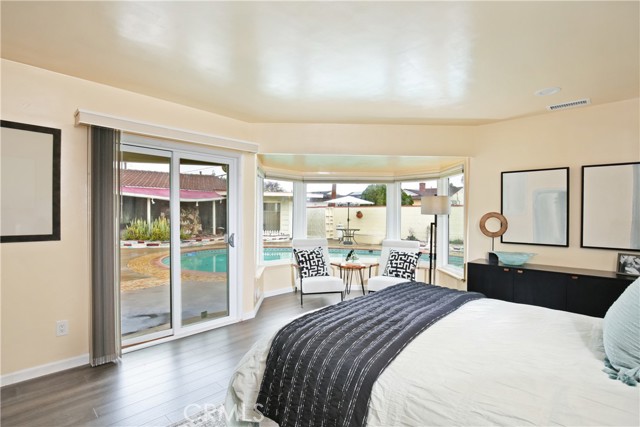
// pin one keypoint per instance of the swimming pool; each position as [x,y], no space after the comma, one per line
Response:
[215,260]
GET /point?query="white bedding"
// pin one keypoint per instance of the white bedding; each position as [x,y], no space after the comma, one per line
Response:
[488,363]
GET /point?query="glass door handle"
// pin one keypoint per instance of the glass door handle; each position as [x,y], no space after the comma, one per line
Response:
[231,239]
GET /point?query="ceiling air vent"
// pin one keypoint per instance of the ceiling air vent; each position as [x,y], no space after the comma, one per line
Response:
[572,104]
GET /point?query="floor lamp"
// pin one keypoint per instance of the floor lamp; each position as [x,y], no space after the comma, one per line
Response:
[434,205]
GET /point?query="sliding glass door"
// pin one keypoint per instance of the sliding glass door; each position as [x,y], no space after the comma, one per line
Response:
[145,244]
[204,252]
[176,242]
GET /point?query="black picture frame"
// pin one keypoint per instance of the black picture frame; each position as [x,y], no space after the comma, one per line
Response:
[40,219]
[523,193]
[608,191]
[628,264]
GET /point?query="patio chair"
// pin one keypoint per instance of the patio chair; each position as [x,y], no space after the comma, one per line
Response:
[405,255]
[313,268]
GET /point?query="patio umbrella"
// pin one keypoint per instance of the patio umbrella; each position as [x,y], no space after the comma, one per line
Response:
[349,201]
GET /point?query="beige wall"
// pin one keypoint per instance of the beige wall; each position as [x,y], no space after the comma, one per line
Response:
[607,133]
[248,236]
[278,277]
[42,282]
[364,139]
[48,281]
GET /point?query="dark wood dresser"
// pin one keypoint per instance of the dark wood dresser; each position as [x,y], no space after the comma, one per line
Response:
[577,290]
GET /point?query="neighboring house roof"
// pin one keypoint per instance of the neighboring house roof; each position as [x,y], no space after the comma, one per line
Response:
[417,194]
[151,179]
[149,184]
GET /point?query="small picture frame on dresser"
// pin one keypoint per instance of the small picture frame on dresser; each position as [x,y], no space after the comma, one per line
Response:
[628,264]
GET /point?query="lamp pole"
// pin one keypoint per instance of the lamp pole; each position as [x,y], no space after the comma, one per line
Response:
[434,205]
[432,247]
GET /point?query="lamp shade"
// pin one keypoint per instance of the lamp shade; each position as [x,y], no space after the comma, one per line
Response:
[435,205]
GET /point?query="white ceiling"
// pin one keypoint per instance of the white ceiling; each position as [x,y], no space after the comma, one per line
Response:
[340,62]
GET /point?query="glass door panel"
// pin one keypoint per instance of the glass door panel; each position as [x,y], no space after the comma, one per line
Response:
[145,244]
[204,253]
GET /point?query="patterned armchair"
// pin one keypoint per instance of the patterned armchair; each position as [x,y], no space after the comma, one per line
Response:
[313,268]
[398,262]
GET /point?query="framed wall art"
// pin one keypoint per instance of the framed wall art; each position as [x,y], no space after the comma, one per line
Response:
[30,182]
[611,206]
[536,204]
[628,264]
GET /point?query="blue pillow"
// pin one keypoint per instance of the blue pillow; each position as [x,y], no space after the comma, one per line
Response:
[621,336]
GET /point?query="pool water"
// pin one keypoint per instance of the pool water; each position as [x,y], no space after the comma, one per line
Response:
[215,260]
[274,254]
[210,261]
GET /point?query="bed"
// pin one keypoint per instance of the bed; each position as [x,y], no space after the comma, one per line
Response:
[488,362]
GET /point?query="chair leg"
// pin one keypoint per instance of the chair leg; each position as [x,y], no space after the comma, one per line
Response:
[341,296]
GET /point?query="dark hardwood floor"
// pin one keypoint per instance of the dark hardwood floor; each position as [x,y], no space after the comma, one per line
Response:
[151,386]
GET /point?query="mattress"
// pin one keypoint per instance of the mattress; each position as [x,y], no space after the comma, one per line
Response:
[488,363]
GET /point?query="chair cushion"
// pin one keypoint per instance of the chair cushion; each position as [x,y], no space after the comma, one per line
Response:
[621,336]
[378,283]
[322,284]
[311,262]
[401,264]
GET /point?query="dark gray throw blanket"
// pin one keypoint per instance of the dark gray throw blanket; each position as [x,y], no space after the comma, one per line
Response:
[321,367]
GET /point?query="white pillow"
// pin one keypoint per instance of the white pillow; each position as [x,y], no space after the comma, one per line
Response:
[621,336]
[402,264]
[311,262]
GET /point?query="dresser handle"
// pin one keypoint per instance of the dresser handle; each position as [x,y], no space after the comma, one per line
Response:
[505,269]
[574,277]
[519,271]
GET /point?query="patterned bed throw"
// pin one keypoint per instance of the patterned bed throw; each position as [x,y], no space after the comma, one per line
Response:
[321,367]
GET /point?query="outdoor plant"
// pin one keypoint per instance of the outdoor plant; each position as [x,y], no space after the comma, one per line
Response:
[190,221]
[377,193]
[160,229]
[412,235]
[137,230]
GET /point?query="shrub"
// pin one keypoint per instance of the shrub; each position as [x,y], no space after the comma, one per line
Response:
[160,229]
[136,230]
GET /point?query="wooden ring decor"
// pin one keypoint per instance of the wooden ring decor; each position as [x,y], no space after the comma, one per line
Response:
[503,224]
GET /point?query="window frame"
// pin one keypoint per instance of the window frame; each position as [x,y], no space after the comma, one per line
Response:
[443,233]
[393,211]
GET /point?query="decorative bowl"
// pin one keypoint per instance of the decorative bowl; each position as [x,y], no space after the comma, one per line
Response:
[513,258]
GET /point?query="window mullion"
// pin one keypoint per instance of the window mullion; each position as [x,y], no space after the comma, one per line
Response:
[443,227]
[394,210]
[299,210]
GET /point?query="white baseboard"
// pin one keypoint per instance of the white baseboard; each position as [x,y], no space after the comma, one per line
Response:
[46,369]
[280,291]
[251,314]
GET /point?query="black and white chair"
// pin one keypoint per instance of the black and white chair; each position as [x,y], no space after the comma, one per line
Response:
[398,263]
[313,268]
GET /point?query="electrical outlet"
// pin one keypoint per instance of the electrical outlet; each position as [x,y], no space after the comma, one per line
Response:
[62,328]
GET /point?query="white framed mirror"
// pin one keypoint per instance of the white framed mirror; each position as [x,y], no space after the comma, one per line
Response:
[611,206]
[536,204]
